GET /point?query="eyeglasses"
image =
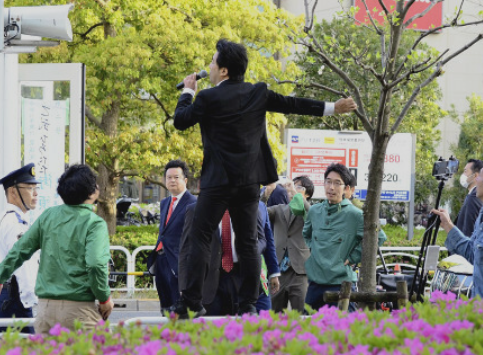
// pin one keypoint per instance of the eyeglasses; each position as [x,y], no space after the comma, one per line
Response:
[299,188]
[335,183]
[31,189]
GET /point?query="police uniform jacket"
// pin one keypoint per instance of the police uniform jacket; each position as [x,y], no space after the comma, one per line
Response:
[13,224]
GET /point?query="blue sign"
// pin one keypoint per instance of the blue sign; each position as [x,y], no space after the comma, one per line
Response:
[386,195]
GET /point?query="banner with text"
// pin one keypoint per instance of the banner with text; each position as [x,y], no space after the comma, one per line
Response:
[44,123]
[310,152]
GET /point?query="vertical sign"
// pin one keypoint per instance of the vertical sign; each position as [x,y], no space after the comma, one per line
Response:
[44,124]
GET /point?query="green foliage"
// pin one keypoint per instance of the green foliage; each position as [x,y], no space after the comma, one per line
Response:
[135,53]
[469,146]
[356,50]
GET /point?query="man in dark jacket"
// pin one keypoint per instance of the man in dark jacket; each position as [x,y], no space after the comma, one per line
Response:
[472,205]
[237,159]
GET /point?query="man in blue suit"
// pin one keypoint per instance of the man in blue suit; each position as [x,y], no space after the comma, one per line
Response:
[164,258]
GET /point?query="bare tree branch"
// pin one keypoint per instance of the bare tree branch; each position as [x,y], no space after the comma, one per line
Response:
[374,25]
[158,101]
[309,17]
[84,35]
[95,120]
[419,15]
[433,76]
[155,181]
[383,6]
[354,89]
[420,67]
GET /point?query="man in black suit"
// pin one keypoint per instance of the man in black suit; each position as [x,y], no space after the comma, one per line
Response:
[164,258]
[221,287]
[237,159]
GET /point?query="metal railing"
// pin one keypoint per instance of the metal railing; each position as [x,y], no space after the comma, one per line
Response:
[390,252]
[131,272]
[387,253]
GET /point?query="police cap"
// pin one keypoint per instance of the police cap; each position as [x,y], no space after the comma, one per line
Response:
[24,175]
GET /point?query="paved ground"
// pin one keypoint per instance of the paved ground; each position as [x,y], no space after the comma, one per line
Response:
[125,309]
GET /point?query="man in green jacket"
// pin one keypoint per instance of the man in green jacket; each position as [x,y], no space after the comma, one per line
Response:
[333,231]
[73,269]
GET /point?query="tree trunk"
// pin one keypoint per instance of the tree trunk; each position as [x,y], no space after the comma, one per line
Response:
[108,179]
[106,206]
[367,276]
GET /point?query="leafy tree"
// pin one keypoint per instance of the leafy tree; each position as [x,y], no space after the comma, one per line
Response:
[399,68]
[135,53]
[422,119]
[469,146]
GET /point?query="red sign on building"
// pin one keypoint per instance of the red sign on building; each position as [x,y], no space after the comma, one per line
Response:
[433,18]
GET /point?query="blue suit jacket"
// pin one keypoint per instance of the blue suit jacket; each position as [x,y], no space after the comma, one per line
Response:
[170,234]
[263,227]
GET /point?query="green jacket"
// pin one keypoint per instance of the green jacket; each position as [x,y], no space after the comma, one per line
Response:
[74,256]
[334,234]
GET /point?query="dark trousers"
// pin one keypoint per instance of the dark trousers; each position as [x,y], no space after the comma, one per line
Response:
[242,203]
[225,302]
[166,282]
[315,296]
[10,306]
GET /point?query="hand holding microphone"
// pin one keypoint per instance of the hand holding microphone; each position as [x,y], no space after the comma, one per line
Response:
[202,74]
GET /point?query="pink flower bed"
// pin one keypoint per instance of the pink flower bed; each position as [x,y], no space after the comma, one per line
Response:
[443,326]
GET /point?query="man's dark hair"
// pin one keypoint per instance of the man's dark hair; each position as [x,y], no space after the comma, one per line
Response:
[307,183]
[76,184]
[177,164]
[232,56]
[340,169]
[477,165]
[353,181]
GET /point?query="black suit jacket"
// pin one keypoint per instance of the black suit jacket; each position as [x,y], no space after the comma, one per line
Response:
[233,129]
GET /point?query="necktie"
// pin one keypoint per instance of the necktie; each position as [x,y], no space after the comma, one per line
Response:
[170,211]
[227,255]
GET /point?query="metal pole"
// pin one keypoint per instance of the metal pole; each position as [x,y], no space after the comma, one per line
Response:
[411,191]
[3,148]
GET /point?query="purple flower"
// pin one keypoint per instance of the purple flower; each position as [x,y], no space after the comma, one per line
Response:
[234,331]
[57,329]
[150,348]
[15,351]
[440,296]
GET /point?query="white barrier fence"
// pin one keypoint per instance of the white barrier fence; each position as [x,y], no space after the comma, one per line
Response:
[387,253]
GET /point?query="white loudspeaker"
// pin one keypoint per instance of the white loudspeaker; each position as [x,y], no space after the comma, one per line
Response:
[43,21]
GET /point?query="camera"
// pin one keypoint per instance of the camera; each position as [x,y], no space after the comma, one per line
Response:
[444,169]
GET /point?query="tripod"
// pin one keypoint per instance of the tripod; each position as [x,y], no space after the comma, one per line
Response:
[429,238]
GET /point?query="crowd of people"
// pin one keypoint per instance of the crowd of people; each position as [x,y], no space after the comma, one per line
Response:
[234,249]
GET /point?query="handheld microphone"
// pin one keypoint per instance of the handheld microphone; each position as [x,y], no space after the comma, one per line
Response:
[202,74]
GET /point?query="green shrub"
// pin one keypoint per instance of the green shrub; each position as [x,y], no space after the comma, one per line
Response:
[132,237]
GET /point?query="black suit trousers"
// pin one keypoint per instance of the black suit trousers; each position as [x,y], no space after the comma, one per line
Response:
[242,203]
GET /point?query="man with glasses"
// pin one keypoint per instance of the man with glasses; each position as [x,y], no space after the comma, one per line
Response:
[333,231]
[18,297]
[163,261]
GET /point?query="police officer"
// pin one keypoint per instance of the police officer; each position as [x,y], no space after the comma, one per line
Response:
[17,296]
